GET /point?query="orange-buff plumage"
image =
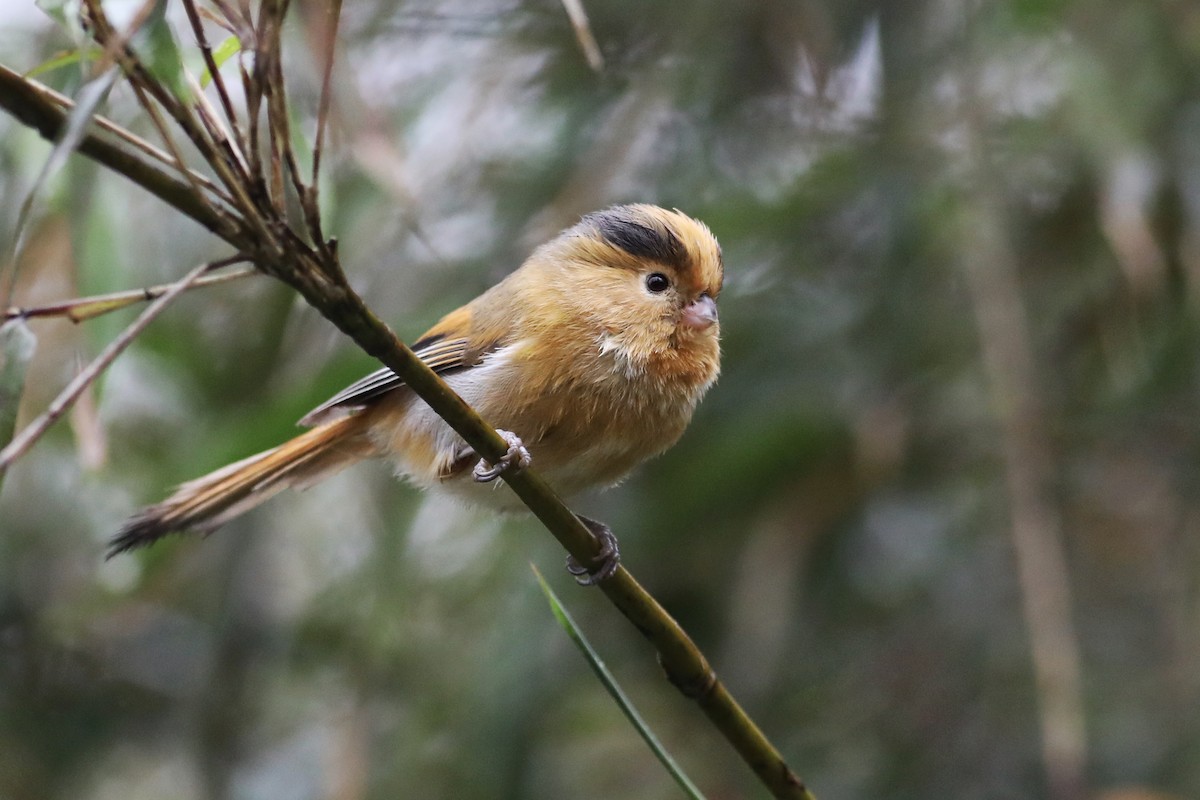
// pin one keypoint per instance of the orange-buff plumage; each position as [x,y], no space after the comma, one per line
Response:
[594,353]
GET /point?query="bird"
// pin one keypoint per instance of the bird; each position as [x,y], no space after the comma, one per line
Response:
[588,359]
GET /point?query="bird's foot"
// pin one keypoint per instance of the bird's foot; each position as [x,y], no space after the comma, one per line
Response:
[605,562]
[517,458]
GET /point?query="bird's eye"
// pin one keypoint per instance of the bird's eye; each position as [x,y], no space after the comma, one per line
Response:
[657,282]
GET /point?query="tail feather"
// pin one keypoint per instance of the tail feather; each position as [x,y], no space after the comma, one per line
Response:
[204,504]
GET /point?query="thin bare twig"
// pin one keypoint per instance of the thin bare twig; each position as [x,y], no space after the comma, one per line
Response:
[217,131]
[236,20]
[266,67]
[253,93]
[277,115]
[214,71]
[275,153]
[583,32]
[115,44]
[34,430]
[282,129]
[311,201]
[216,155]
[32,103]
[135,141]
[91,94]
[159,125]
[329,32]
[283,154]
[80,309]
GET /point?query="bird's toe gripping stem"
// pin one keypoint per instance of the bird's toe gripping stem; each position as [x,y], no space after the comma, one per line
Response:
[517,458]
[606,561]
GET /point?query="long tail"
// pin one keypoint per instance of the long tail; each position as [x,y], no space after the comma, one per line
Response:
[203,505]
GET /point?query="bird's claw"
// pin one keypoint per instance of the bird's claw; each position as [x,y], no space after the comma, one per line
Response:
[517,458]
[606,560]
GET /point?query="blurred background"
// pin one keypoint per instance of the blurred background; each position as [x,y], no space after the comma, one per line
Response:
[937,526]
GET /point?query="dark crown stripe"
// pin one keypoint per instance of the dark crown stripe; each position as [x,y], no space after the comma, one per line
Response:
[639,239]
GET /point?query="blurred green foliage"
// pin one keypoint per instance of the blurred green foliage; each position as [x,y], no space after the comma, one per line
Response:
[835,530]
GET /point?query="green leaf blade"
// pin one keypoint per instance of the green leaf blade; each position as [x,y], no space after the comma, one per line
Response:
[221,53]
[614,689]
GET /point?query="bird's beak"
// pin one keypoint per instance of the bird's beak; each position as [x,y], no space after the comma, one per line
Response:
[701,313]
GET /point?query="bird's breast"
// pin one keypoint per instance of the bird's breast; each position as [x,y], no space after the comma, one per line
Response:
[589,420]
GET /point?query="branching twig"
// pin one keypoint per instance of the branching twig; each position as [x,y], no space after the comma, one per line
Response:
[79,309]
[34,430]
[310,201]
[214,153]
[116,47]
[214,71]
[137,142]
[32,104]
[334,13]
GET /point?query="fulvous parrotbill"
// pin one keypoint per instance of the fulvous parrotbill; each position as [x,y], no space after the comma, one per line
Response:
[594,353]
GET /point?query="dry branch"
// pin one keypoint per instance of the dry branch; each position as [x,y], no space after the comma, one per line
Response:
[79,309]
[67,397]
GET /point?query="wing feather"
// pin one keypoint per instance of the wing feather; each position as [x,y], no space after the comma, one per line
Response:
[441,354]
[459,340]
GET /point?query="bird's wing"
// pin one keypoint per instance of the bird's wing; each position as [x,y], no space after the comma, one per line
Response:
[446,347]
